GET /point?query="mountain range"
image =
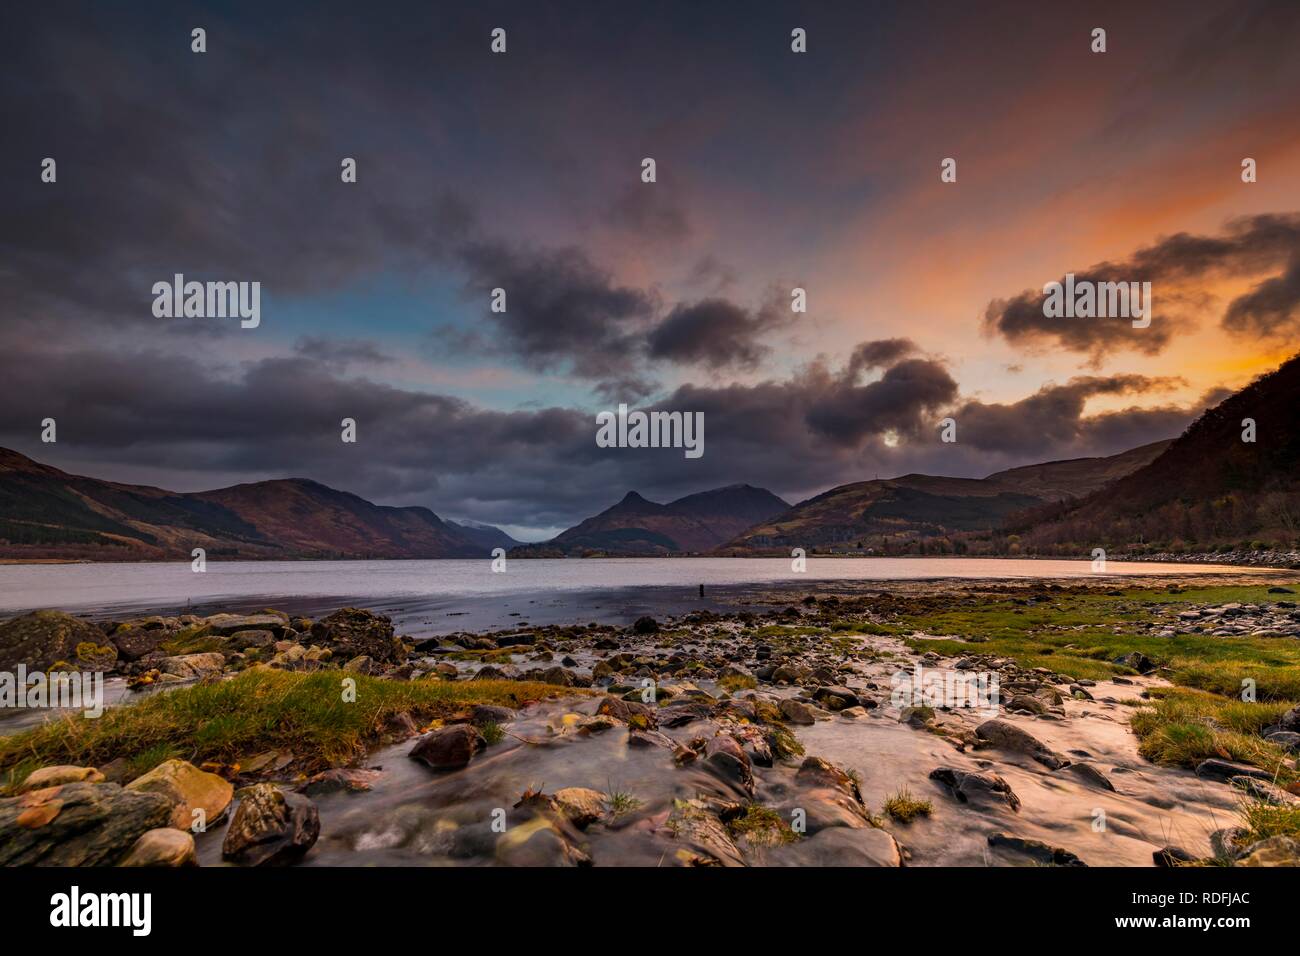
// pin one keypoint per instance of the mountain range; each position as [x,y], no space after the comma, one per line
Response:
[1232,478]
[870,515]
[693,524]
[48,513]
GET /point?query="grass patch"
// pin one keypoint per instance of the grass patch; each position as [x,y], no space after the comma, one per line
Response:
[905,808]
[761,826]
[735,682]
[1080,634]
[492,732]
[1262,820]
[1182,727]
[262,709]
[620,802]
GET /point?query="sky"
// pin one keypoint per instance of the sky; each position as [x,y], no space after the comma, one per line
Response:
[522,170]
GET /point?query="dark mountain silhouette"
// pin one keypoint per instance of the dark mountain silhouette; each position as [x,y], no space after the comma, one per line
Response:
[1210,487]
[48,513]
[878,515]
[695,523]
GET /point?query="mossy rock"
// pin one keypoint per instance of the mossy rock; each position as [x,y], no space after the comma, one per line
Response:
[44,638]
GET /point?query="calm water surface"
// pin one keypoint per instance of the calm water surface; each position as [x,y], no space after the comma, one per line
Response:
[174,585]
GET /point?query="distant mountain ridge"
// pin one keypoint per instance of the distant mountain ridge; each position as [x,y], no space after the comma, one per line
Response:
[48,513]
[868,515]
[635,526]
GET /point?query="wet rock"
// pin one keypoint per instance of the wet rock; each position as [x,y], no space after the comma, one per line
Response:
[850,846]
[725,758]
[1091,775]
[1007,736]
[165,846]
[351,631]
[980,789]
[836,698]
[816,772]
[193,666]
[271,827]
[645,625]
[682,711]
[640,716]
[43,639]
[189,789]
[700,836]
[1275,851]
[1225,770]
[449,748]
[340,780]
[797,712]
[58,776]
[1036,850]
[540,841]
[582,806]
[650,738]
[484,714]
[77,824]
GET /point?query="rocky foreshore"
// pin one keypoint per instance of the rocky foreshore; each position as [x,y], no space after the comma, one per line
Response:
[772,735]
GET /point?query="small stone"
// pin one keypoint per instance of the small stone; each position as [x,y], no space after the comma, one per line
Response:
[164,846]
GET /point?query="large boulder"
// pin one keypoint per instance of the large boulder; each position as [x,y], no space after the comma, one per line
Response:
[189,789]
[43,639]
[351,631]
[271,827]
[77,824]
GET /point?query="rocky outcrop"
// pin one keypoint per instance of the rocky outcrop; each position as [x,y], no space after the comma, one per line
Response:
[52,640]
[77,824]
[350,632]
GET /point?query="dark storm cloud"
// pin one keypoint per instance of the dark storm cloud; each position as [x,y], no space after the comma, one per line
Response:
[1248,246]
[1270,310]
[905,401]
[715,333]
[562,310]
[1053,418]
